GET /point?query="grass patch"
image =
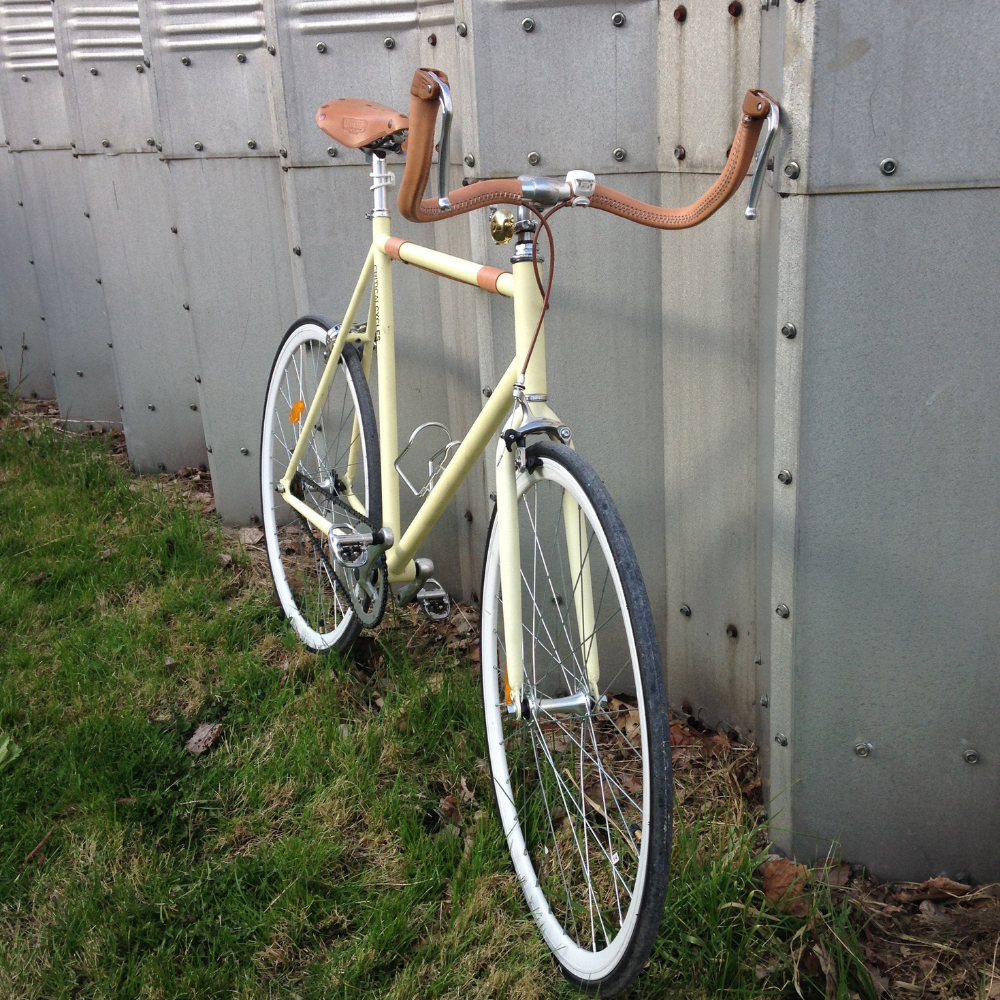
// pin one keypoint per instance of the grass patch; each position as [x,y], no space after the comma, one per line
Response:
[340,840]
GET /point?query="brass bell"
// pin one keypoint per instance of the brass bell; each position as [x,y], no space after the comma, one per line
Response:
[501,225]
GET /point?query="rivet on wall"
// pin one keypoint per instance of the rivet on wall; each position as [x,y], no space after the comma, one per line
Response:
[462,29]
[321,47]
[389,43]
[618,19]
[534,158]
[680,14]
[528,24]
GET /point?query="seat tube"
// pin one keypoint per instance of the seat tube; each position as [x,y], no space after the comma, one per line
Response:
[386,340]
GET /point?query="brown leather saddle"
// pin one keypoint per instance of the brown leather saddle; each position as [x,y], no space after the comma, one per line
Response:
[358,124]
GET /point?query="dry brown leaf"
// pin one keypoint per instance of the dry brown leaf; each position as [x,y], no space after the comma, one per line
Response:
[169,661]
[449,808]
[465,791]
[715,744]
[205,736]
[37,578]
[934,888]
[833,873]
[784,881]
[225,559]
[251,536]
[680,735]
[993,993]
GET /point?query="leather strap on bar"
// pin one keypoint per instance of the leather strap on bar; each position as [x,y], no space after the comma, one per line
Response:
[424,94]
[756,106]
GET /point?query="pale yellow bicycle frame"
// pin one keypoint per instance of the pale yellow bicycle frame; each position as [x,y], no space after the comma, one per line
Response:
[519,285]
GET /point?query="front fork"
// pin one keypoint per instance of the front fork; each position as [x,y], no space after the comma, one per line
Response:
[527,305]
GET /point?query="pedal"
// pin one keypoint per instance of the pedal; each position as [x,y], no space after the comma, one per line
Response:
[434,600]
[350,548]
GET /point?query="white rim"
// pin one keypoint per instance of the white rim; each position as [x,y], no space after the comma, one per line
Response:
[583,963]
[312,638]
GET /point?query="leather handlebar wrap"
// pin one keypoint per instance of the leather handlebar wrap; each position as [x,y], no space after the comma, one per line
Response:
[756,107]
[424,95]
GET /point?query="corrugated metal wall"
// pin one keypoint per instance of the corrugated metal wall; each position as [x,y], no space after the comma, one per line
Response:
[183,209]
[169,208]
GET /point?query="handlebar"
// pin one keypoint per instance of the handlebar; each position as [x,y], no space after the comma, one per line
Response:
[430,89]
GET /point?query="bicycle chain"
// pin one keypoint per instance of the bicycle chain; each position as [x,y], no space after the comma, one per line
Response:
[354,512]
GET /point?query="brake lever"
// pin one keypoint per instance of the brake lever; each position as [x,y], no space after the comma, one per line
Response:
[443,203]
[758,174]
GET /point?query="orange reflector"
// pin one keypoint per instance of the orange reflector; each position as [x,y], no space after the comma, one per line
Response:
[508,696]
[298,408]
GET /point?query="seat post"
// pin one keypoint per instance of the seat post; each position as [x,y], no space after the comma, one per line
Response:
[381,179]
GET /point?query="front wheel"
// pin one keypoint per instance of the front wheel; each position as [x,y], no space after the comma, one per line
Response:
[582,783]
[337,476]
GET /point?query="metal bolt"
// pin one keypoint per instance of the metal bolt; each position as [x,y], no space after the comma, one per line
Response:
[791,169]
[145,62]
[208,448]
[80,374]
[244,451]
[970,756]
[297,251]
[36,141]
[462,29]
[198,146]
[618,19]
[528,24]
[735,8]
[487,392]
[139,68]
[785,477]
[331,150]
[389,42]
[888,166]
[21,203]
[24,78]
[732,631]
[30,261]
[93,71]
[679,152]
[321,46]
[173,229]
[863,749]
[468,516]
[781,739]
[186,306]
[283,152]
[470,160]
[194,406]
[110,344]
[533,158]
[564,433]
[782,611]
[619,154]
[197,379]
[432,39]
[150,142]
[251,144]
[185,61]
[788,331]
[150,407]
[764,701]
[106,143]
[757,659]
[685,610]
[680,14]
[241,57]
[271,50]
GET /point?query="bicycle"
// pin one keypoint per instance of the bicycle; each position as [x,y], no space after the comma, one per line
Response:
[576,710]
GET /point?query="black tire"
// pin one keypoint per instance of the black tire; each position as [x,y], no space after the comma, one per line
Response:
[623,845]
[305,580]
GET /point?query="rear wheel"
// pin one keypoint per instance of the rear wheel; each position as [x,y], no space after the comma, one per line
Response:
[338,476]
[582,784]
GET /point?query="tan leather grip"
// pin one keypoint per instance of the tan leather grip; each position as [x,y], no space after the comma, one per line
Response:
[424,94]
[756,106]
